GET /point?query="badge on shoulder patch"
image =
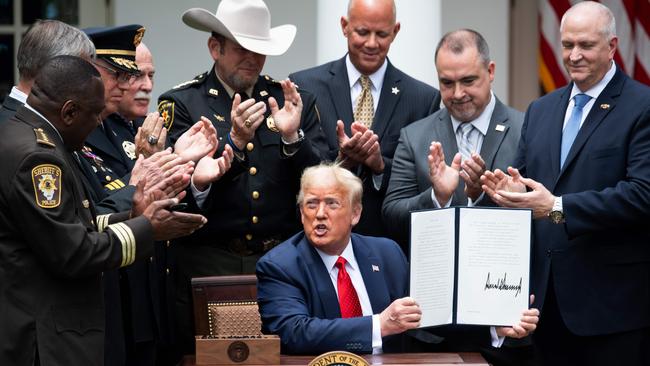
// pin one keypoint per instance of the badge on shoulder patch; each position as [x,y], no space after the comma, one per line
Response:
[47,185]
[166,110]
[129,149]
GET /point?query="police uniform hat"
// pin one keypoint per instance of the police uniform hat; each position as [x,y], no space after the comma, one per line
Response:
[116,45]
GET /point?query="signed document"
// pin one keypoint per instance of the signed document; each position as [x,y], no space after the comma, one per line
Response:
[470,265]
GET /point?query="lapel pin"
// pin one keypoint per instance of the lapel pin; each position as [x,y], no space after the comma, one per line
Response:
[604,106]
[375,268]
[500,128]
[395,90]
[214,92]
[220,118]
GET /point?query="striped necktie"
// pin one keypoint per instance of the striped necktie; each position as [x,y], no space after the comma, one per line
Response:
[466,146]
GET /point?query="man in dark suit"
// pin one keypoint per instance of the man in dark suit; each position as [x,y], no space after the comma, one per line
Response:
[393,100]
[583,167]
[302,289]
[424,177]
[51,276]
[274,131]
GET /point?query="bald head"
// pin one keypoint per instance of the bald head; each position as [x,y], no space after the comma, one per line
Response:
[69,92]
[591,11]
[385,5]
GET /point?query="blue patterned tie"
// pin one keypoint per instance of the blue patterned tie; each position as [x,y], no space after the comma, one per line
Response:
[572,126]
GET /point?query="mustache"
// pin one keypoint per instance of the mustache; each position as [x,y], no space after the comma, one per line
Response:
[141,94]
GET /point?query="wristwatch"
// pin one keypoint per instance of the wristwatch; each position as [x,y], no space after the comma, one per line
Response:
[557,214]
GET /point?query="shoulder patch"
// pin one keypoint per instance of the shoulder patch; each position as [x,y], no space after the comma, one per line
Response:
[166,110]
[42,138]
[197,79]
[47,185]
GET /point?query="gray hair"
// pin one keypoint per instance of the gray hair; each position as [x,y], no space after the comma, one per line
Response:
[609,28]
[456,42]
[350,182]
[46,39]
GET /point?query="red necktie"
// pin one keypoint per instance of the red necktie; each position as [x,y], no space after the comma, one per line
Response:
[348,299]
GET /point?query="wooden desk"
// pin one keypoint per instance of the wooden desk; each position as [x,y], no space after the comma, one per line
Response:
[393,359]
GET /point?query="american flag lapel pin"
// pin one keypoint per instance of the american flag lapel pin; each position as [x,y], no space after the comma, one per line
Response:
[375,268]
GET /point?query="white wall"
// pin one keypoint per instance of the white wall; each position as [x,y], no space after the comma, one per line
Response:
[180,52]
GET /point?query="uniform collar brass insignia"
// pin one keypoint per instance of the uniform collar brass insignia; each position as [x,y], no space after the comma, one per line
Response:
[214,92]
[604,106]
[219,118]
[42,137]
[264,93]
[270,123]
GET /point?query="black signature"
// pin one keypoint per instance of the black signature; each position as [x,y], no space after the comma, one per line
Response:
[502,284]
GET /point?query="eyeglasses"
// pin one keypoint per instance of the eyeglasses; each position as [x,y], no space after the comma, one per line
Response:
[121,76]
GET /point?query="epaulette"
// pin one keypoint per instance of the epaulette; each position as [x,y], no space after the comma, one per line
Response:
[42,138]
[271,80]
[197,79]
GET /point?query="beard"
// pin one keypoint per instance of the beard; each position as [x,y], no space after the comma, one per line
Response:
[241,84]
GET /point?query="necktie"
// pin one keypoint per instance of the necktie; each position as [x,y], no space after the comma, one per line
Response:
[348,299]
[572,126]
[466,146]
[365,110]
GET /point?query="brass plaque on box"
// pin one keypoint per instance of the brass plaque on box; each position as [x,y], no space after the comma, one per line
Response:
[238,350]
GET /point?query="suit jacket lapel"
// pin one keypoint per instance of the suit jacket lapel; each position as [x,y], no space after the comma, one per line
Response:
[387,101]
[595,116]
[373,279]
[493,137]
[98,140]
[326,291]
[556,124]
[339,89]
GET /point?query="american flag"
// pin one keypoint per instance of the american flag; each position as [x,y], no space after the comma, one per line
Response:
[632,29]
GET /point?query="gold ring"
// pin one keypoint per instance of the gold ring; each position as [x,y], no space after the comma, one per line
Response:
[248,123]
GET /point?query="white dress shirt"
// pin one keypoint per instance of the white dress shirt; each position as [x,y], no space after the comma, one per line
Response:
[352,267]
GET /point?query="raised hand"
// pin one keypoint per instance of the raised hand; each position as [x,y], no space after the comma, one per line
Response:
[287,119]
[245,118]
[444,178]
[209,169]
[471,171]
[151,136]
[198,141]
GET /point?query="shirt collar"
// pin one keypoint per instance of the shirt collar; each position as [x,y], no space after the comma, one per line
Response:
[482,122]
[230,90]
[330,260]
[595,90]
[46,120]
[18,95]
[377,77]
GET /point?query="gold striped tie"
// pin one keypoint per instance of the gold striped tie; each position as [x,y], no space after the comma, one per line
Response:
[365,111]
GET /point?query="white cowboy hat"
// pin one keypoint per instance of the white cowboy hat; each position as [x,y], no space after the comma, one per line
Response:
[248,22]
